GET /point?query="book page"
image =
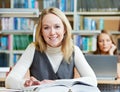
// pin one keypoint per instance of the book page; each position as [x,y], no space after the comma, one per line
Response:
[63,82]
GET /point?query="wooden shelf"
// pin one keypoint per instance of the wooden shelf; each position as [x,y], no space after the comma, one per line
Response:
[99,13]
[86,32]
[115,82]
[16,32]
[18,51]
[115,32]
[2,79]
[19,12]
[4,51]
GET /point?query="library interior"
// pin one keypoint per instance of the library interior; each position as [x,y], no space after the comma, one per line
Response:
[88,19]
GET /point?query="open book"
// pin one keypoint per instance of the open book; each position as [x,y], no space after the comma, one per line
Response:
[64,82]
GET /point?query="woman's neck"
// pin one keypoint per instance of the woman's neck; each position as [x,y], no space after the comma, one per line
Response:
[53,49]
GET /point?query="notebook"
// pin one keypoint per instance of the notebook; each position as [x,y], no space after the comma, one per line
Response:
[104,66]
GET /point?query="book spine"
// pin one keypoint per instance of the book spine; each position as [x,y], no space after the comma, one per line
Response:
[26,4]
[62,5]
[101,24]
[3,23]
[4,42]
[9,42]
[15,23]
[71,5]
[16,58]
[68,5]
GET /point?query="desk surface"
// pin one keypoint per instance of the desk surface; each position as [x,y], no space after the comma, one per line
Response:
[99,81]
[2,79]
[116,82]
[2,89]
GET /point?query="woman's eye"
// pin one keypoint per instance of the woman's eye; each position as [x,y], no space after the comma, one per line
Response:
[108,40]
[57,26]
[100,41]
[46,28]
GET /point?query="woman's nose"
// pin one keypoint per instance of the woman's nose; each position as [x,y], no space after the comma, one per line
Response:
[104,42]
[52,31]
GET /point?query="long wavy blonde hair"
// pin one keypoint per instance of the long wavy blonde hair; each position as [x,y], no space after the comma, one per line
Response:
[67,43]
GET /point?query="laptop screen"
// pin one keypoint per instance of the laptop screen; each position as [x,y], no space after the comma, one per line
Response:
[104,66]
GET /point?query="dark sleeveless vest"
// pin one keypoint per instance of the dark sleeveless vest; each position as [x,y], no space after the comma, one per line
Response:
[42,69]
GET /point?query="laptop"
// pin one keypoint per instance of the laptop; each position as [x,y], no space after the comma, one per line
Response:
[104,66]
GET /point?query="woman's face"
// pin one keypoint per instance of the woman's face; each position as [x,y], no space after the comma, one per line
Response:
[52,30]
[104,43]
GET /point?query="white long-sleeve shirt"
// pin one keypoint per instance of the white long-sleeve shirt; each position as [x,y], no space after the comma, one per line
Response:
[15,79]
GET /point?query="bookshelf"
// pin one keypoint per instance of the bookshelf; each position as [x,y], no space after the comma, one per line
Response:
[16,28]
[75,10]
[95,15]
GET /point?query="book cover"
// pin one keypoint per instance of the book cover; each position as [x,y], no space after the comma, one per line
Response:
[4,60]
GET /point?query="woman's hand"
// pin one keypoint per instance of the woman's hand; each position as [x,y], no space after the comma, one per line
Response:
[112,49]
[32,81]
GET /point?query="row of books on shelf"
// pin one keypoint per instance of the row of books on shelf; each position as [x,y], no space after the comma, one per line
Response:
[17,23]
[92,24]
[2,84]
[85,43]
[19,4]
[21,41]
[98,5]
[25,4]
[4,60]
[64,5]
[87,23]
